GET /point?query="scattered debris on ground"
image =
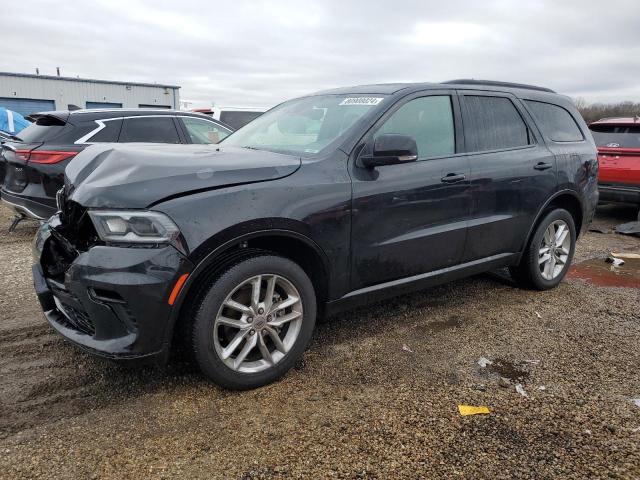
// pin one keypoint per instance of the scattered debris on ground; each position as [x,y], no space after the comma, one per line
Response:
[520,389]
[599,229]
[631,228]
[356,406]
[472,410]
[483,362]
[617,262]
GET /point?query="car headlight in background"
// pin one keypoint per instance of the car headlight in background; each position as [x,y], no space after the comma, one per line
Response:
[131,226]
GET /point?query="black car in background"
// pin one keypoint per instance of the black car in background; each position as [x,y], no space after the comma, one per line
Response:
[4,136]
[35,160]
[324,202]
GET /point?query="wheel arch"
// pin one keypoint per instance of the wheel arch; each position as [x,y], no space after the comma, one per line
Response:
[285,238]
[567,199]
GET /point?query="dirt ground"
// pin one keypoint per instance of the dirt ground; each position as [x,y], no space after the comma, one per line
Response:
[358,405]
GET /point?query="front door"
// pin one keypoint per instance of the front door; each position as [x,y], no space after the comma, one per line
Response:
[411,218]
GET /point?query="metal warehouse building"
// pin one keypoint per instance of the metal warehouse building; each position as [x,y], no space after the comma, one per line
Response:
[27,94]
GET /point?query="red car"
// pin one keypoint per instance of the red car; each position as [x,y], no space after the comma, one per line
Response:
[618,141]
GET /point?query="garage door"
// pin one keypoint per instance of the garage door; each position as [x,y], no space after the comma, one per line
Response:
[142,105]
[103,105]
[26,106]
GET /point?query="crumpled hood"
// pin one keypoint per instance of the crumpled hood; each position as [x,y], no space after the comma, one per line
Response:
[139,175]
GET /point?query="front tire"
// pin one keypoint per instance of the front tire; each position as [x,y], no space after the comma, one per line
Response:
[548,255]
[253,322]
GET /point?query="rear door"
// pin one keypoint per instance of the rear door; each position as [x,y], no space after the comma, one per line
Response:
[512,172]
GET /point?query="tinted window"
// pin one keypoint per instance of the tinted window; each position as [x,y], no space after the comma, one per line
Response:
[43,129]
[429,120]
[203,131]
[109,133]
[616,136]
[492,123]
[149,129]
[238,119]
[555,122]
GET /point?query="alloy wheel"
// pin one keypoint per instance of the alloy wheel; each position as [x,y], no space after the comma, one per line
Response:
[258,323]
[554,250]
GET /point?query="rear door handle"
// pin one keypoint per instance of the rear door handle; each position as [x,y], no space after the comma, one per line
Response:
[543,166]
[453,177]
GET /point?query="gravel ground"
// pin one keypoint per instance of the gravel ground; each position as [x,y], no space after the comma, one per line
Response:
[358,405]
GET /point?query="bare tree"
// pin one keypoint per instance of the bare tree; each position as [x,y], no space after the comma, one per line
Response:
[596,111]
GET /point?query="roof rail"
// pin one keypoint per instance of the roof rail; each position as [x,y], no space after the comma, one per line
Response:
[636,118]
[470,81]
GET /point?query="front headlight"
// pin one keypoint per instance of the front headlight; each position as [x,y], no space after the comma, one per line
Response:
[131,226]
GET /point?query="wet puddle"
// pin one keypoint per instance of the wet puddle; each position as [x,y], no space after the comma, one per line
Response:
[452,322]
[515,372]
[599,272]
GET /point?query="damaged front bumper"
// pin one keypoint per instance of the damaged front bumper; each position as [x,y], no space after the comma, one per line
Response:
[109,300]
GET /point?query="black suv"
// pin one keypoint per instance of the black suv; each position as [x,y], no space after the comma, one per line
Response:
[335,199]
[33,163]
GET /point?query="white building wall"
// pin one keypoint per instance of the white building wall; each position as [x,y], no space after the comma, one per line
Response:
[68,91]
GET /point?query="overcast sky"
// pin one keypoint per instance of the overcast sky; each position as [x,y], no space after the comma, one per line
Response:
[251,53]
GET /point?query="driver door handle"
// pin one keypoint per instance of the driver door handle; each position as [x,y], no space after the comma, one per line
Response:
[453,177]
[543,166]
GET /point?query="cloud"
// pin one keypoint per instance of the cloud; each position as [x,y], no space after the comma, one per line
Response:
[250,53]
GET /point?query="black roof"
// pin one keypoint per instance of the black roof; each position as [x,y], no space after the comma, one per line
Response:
[392,88]
[98,113]
[493,83]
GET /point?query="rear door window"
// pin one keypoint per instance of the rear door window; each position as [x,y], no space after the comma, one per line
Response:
[149,129]
[555,122]
[429,120]
[204,131]
[492,123]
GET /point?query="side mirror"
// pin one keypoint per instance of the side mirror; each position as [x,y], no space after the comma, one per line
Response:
[391,149]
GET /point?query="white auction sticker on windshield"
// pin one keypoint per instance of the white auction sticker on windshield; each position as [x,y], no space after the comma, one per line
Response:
[362,101]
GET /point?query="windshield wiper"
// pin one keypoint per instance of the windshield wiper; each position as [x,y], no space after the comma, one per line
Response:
[250,148]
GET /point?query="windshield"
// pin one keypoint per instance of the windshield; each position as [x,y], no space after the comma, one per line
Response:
[304,126]
[616,136]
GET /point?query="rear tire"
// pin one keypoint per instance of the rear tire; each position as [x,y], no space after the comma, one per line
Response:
[547,257]
[253,322]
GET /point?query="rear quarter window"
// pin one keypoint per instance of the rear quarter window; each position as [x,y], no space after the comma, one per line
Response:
[555,122]
[109,133]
